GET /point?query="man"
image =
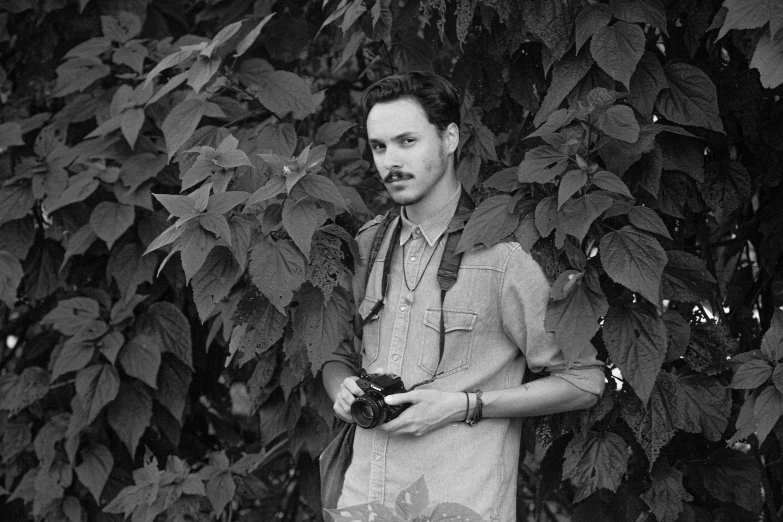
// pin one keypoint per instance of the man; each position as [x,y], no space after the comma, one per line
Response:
[492,321]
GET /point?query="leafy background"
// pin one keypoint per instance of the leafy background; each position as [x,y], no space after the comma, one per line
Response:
[181,182]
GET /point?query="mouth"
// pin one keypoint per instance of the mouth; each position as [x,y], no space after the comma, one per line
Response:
[396,177]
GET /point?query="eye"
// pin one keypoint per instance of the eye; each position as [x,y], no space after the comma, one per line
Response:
[408,141]
[376,147]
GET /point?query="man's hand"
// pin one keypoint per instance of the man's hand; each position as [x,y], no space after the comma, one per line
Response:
[345,397]
[428,410]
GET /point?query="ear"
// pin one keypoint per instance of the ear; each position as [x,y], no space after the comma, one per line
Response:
[451,135]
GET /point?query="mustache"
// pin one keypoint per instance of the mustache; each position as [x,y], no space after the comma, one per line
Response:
[396,175]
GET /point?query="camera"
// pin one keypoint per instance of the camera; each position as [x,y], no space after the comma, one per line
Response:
[371,409]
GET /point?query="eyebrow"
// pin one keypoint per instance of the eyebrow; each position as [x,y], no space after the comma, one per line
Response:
[398,137]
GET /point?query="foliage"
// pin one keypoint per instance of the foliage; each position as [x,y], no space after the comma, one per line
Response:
[632,147]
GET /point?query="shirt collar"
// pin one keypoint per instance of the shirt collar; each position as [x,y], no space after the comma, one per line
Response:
[433,227]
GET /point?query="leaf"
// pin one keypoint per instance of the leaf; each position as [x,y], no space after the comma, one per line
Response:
[220,491]
[555,121]
[93,472]
[181,122]
[121,28]
[301,218]
[73,356]
[727,186]
[130,269]
[77,74]
[489,224]
[79,243]
[647,219]
[320,325]
[277,269]
[591,18]
[71,315]
[686,279]
[565,76]
[546,216]
[17,201]
[322,188]
[542,165]
[647,81]
[88,48]
[707,405]
[130,414]
[276,185]
[78,190]
[772,342]
[170,327]
[595,460]
[752,374]
[749,14]
[572,182]
[213,281]
[140,358]
[372,510]
[453,512]
[636,342]
[256,336]
[577,215]
[691,98]
[575,319]
[767,410]
[412,500]
[216,224]
[620,123]
[667,493]
[641,11]
[173,382]
[330,133]
[767,58]
[11,273]
[130,123]
[617,49]
[110,220]
[17,237]
[17,392]
[282,92]
[196,245]
[251,37]
[97,386]
[504,180]
[10,135]
[733,476]
[635,260]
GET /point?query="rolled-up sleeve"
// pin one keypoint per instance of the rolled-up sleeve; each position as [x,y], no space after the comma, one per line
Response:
[524,298]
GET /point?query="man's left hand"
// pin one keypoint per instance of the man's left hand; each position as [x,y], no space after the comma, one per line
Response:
[428,410]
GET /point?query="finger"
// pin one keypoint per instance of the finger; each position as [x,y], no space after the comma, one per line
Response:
[402,398]
[351,387]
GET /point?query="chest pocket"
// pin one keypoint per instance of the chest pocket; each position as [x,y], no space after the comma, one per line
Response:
[459,341]
[371,333]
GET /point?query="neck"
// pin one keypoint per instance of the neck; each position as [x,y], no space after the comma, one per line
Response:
[432,203]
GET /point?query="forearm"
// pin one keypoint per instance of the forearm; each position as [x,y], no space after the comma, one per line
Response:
[544,396]
[334,373]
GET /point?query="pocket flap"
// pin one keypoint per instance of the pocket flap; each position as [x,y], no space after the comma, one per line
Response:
[452,319]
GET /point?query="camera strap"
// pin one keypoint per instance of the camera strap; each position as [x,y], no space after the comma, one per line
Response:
[448,270]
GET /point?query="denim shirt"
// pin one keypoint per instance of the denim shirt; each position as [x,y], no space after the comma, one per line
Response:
[494,323]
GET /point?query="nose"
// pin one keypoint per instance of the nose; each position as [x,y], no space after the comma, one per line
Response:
[391,159]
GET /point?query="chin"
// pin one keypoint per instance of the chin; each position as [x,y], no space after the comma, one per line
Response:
[406,199]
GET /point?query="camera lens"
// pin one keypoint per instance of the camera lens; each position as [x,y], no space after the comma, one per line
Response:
[366,411]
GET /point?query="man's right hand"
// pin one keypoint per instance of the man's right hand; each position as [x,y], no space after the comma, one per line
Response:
[345,397]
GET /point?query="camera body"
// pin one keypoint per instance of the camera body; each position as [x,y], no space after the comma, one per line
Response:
[371,409]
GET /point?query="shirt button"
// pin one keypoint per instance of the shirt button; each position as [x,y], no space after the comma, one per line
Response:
[416,232]
[413,258]
[395,357]
[377,457]
[403,308]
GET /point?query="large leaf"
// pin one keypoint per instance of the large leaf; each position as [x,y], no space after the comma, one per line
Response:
[97,386]
[767,410]
[733,476]
[277,269]
[181,122]
[131,413]
[749,14]
[17,201]
[667,493]
[173,382]
[772,342]
[261,331]
[591,18]
[140,358]
[691,98]
[11,273]
[72,314]
[20,391]
[130,269]
[195,246]
[368,511]
[412,500]
[636,342]
[752,374]
[727,186]
[282,92]
[707,405]
[330,133]
[542,165]
[77,74]
[617,49]
[490,223]
[170,327]
[74,355]
[577,215]
[595,460]
[320,325]
[575,319]
[650,12]
[565,76]
[93,472]
[572,182]
[213,281]
[635,260]
[647,219]
[620,123]
[646,83]
[110,220]
[767,58]
[220,491]
[301,218]
[686,278]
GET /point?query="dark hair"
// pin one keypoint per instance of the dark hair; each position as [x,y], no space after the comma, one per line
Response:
[437,96]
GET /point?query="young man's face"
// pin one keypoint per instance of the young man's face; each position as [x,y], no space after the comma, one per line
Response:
[413,158]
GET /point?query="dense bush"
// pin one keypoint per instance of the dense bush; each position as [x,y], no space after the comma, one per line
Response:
[634,147]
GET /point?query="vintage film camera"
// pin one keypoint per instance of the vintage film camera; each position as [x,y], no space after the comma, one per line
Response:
[371,409]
